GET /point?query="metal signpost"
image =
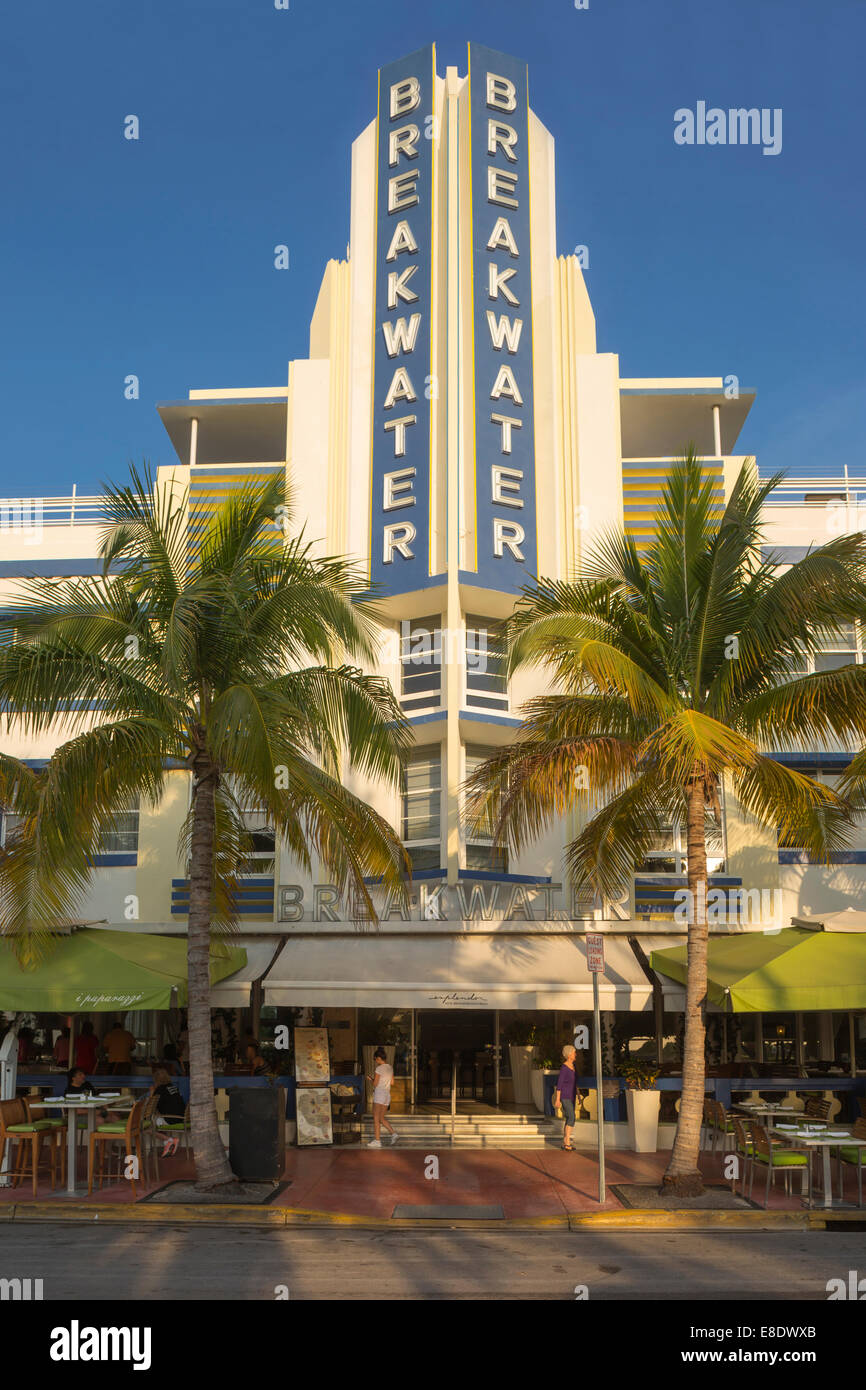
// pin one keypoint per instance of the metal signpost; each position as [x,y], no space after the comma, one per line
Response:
[595,964]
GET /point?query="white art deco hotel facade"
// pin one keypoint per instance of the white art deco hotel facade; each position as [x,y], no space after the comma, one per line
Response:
[455,428]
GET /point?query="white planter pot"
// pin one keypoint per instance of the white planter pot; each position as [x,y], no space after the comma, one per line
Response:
[643,1120]
[521,1073]
[537,1081]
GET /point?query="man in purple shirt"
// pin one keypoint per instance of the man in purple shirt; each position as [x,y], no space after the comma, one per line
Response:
[565,1094]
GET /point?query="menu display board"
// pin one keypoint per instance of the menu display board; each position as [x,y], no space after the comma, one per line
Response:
[314,1116]
[312,1063]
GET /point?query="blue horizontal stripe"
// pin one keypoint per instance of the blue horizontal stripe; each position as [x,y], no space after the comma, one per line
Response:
[52,569]
[476,717]
[844,856]
[254,881]
[489,876]
[820,762]
[240,909]
[672,881]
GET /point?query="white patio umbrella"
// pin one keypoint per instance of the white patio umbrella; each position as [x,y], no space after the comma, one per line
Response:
[848,919]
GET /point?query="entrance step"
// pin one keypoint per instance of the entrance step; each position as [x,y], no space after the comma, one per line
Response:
[472,1131]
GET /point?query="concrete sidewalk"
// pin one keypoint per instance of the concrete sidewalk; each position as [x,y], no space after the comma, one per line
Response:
[532,1187]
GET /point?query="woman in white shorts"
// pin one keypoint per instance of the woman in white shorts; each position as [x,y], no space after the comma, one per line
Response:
[381,1083]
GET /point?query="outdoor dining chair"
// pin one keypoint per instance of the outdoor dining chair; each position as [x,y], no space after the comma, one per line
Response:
[852,1155]
[44,1121]
[150,1137]
[179,1128]
[775,1159]
[17,1127]
[817,1109]
[723,1125]
[707,1124]
[745,1150]
[127,1136]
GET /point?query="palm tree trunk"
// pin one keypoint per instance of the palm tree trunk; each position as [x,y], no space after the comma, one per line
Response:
[683,1175]
[211,1165]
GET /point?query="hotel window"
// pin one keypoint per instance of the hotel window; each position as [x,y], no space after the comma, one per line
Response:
[259,837]
[421,664]
[486,684]
[122,837]
[261,842]
[422,808]
[826,779]
[669,849]
[9,823]
[840,649]
[481,854]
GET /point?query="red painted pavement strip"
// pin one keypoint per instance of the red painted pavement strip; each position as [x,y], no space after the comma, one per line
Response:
[525,1183]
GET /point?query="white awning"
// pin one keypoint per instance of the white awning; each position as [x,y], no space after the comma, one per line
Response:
[471,971]
[234,991]
[848,919]
[674,993]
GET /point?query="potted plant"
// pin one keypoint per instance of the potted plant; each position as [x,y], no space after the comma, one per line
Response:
[520,1037]
[544,1064]
[642,1103]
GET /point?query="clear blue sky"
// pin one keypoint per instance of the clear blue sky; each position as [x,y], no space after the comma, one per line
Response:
[156,257]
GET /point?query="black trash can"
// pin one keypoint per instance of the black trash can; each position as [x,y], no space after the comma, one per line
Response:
[257,1132]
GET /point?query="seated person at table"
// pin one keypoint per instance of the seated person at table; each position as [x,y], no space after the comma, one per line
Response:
[78,1084]
[171,1061]
[170,1104]
[255,1061]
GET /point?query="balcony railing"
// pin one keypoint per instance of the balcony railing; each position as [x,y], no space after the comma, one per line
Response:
[29,513]
[841,489]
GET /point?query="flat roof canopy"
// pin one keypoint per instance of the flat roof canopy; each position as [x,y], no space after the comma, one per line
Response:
[228,431]
[473,971]
[662,424]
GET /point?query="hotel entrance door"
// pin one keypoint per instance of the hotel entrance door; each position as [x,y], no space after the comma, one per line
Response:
[457,1057]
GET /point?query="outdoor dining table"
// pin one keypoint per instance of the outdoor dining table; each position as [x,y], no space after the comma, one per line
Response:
[765,1108]
[826,1138]
[91,1106]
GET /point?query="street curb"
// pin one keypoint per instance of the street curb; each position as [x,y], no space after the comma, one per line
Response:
[649,1220]
[229,1214]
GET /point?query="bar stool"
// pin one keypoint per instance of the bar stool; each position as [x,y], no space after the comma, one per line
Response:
[17,1127]
[116,1132]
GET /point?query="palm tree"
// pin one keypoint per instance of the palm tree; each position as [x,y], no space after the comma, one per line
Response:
[220,647]
[673,673]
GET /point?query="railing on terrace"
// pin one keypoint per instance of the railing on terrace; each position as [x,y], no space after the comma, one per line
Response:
[841,489]
[81,510]
[25,513]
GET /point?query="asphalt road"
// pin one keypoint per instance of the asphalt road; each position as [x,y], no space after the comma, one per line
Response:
[241,1263]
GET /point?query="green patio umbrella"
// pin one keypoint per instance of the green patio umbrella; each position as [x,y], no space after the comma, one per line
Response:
[94,971]
[763,972]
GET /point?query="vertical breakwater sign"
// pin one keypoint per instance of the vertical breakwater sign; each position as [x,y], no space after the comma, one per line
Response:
[505,503]
[402,368]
